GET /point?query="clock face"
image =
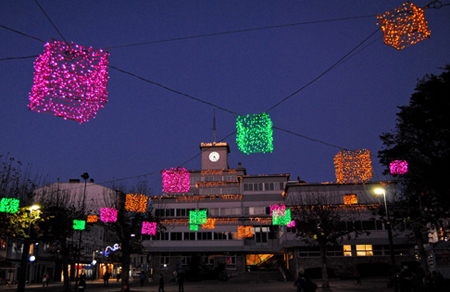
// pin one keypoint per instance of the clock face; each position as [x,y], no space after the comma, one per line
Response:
[214,156]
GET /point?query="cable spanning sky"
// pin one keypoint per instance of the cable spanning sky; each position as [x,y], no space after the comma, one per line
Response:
[321,69]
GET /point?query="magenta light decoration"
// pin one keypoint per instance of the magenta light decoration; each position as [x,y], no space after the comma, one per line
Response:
[148,228]
[69,81]
[108,214]
[398,167]
[176,180]
[280,209]
[291,224]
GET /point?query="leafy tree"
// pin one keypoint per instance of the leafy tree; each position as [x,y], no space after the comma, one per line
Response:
[422,138]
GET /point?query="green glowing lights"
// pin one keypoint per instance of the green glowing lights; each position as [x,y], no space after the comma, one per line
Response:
[79,224]
[197,217]
[254,133]
[9,205]
[282,218]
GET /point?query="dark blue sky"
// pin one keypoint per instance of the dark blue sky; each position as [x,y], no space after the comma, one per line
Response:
[145,128]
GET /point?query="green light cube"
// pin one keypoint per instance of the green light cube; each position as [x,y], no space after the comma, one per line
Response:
[254,133]
[79,224]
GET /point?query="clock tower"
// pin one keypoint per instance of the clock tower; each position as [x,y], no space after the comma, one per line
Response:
[215,155]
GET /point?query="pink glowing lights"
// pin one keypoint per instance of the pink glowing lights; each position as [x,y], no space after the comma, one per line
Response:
[69,81]
[176,180]
[281,209]
[398,167]
[108,214]
[148,228]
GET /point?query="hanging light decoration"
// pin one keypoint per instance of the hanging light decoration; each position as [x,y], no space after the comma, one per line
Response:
[108,215]
[291,224]
[148,228]
[209,223]
[9,205]
[398,167]
[136,203]
[193,227]
[404,26]
[92,218]
[353,166]
[281,218]
[79,225]
[176,180]
[197,217]
[350,199]
[245,231]
[69,81]
[254,133]
[278,208]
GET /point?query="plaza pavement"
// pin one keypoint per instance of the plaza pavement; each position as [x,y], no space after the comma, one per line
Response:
[233,285]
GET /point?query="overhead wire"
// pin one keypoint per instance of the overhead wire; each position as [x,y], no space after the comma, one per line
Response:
[323,73]
[43,11]
[239,31]
[205,102]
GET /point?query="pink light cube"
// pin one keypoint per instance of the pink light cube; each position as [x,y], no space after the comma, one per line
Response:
[108,214]
[69,81]
[149,228]
[176,180]
[398,167]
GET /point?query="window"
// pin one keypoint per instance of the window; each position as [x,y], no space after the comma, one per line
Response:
[176,235]
[350,199]
[220,235]
[162,236]
[347,250]
[364,250]
[231,262]
[281,186]
[309,251]
[209,260]
[268,186]
[185,260]
[189,236]
[181,212]
[170,212]
[248,187]
[213,211]
[256,210]
[204,235]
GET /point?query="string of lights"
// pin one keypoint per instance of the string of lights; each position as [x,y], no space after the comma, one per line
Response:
[435,4]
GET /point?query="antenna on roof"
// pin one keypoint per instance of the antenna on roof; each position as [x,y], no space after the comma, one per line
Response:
[214,127]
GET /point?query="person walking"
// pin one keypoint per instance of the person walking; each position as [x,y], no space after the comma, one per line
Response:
[44,279]
[142,278]
[300,283]
[181,281]
[358,277]
[106,278]
[161,283]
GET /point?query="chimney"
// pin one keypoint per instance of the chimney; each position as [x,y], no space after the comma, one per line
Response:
[239,164]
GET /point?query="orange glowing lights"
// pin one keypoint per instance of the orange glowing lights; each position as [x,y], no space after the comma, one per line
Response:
[245,231]
[353,166]
[92,218]
[209,223]
[350,199]
[404,26]
[136,203]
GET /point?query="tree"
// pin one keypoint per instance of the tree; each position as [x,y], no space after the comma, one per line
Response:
[422,138]
[129,223]
[319,223]
[58,229]
[18,183]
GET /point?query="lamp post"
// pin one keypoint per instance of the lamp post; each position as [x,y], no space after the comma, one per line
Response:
[25,252]
[84,176]
[381,191]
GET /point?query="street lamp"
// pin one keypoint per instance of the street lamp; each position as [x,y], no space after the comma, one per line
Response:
[84,176]
[25,252]
[381,191]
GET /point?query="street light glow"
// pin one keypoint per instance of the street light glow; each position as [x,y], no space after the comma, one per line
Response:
[35,207]
[379,191]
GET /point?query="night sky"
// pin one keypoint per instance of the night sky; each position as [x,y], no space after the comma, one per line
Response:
[145,128]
